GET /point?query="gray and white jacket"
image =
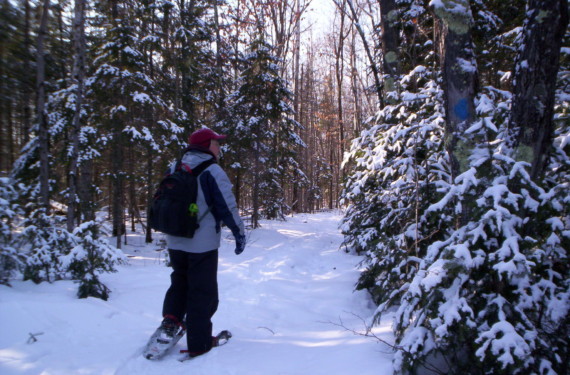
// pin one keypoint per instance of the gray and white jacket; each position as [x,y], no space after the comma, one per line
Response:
[216,199]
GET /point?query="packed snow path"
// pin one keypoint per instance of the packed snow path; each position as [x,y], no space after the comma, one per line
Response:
[283,299]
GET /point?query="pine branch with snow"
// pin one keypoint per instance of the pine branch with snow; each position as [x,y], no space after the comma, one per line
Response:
[10,258]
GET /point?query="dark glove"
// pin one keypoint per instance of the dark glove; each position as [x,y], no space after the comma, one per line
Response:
[240,244]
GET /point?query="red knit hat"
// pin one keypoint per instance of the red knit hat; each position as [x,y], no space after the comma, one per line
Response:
[202,137]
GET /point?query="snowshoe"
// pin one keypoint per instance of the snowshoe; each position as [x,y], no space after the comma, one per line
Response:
[220,339]
[163,339]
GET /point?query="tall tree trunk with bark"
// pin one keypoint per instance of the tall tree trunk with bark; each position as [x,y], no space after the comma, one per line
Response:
[86,191]
[149,191]
[296,98]
[256,183]
[4,156]
[220,94]
[390,44]
[460,78]
[355,89]
[531,124]
[28,87]
[78,77]
[41,110]
[117,184]
[339,73]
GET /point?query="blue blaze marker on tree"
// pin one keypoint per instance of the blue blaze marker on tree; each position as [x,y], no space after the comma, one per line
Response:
[461,109]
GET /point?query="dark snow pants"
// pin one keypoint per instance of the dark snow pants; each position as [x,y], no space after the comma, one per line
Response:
[193,294]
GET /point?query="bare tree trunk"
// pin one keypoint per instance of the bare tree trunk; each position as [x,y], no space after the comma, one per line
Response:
[368,50]
[41,113]
[133,204]
[78,77]
[4,157]
[10,141]
[256,183]
[278,11]
[531,123]
[219,68]
[149,192]
[238,188]
[150,115]
[305,134]
[28,88]
[285,15]
[296,61]
[356,94]
[117,174]
[459,80]
[117,179]
[86,191]
[390,43]
[339,71]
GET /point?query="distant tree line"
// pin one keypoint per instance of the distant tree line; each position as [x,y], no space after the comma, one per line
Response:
[97,98]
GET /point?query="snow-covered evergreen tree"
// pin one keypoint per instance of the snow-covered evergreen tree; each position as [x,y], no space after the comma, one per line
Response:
[55,254]
[10,257]
[483,293]
[491,294]
[195,66]
[398,163]
[265,130]
[91,256]
[47,242]
[129,113]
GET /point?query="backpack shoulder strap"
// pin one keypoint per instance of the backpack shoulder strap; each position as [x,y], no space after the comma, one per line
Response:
[202,166]
[177,166]
[196,171]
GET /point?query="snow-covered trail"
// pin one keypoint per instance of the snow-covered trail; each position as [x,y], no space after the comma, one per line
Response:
[283,299]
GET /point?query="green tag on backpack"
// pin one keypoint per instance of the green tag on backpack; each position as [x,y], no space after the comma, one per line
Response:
[193,209]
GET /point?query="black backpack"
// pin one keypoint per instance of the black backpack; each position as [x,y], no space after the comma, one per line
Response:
[174,210]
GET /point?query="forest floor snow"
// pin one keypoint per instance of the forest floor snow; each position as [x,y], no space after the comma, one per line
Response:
[289,301]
